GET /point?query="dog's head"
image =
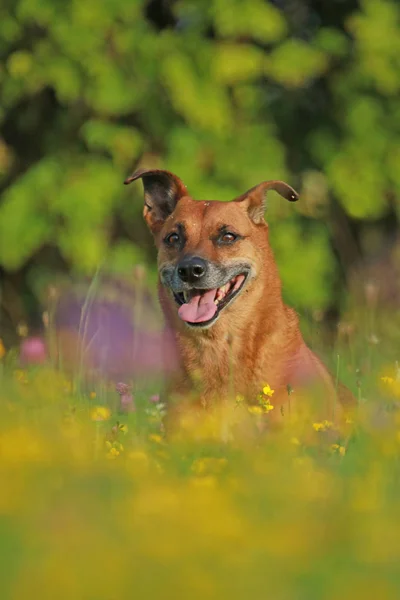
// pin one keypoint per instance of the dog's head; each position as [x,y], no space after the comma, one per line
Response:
[208,251]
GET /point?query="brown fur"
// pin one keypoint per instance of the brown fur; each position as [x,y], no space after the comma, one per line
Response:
[256,339]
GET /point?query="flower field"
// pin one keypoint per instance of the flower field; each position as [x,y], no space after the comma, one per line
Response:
[96,503]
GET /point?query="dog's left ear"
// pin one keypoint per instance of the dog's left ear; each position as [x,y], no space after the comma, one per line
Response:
[255,198]
[162,190]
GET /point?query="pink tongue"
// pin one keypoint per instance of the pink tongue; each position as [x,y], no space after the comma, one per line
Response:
[200,308]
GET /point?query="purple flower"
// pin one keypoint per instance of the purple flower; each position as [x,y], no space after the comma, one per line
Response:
[119,333]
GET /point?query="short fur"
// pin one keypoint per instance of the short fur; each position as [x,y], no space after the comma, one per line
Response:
[256,340]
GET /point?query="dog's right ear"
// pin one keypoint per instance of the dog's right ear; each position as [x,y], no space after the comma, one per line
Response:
[162,191]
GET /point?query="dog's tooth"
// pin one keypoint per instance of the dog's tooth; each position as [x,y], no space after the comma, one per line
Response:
[186,296]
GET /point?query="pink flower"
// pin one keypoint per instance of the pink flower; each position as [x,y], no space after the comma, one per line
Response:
[33,351]
[155,398]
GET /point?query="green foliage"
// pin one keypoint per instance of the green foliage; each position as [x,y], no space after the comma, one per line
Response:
[255,18]
[303,256]
[225,93]
[294,62]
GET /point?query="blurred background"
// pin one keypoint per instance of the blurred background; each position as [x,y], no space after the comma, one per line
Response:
[226,94]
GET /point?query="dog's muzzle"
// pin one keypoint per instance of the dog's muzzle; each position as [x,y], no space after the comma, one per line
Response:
[202,289]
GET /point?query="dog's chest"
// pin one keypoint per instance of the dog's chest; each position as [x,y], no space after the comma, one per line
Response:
[220,367]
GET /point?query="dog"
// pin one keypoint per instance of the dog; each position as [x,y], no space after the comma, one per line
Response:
[220,292]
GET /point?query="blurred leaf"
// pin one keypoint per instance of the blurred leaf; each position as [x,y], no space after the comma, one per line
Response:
[200,101]
[298,253]
[331,41]
[234,62]
[9,29]
[123,257]
[22,230]
[294,62]
[254,18]
[376,29]
[19,64]
[123,143]
[24,224]
[358,183]
[85,247]
[87,197]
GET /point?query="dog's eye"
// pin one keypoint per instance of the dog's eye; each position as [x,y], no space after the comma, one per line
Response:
[228,237]
[172,239]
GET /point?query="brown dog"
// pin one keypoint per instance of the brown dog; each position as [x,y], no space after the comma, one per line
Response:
[221,295]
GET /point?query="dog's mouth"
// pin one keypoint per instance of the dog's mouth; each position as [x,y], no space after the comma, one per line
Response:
[200,308]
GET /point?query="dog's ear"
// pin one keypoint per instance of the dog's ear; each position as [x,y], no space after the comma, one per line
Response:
[162,191]
[254,200]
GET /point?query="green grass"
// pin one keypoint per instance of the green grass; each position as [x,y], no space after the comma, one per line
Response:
[96,504]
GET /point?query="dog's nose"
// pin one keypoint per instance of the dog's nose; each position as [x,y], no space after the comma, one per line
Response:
[190,270]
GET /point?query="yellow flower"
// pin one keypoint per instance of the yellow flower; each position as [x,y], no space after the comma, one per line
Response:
[388,380]
[323,426]
[114,449]
[119,427]
[393,383]
[266,405]
[267,391]
[154,437]
[100,413]
[2,349]
[295,441]
[113,453]
[92,395]
[340,449]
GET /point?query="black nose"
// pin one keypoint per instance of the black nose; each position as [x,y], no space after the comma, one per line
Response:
[190,270]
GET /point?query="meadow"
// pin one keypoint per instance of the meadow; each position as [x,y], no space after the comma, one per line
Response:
[97,503]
